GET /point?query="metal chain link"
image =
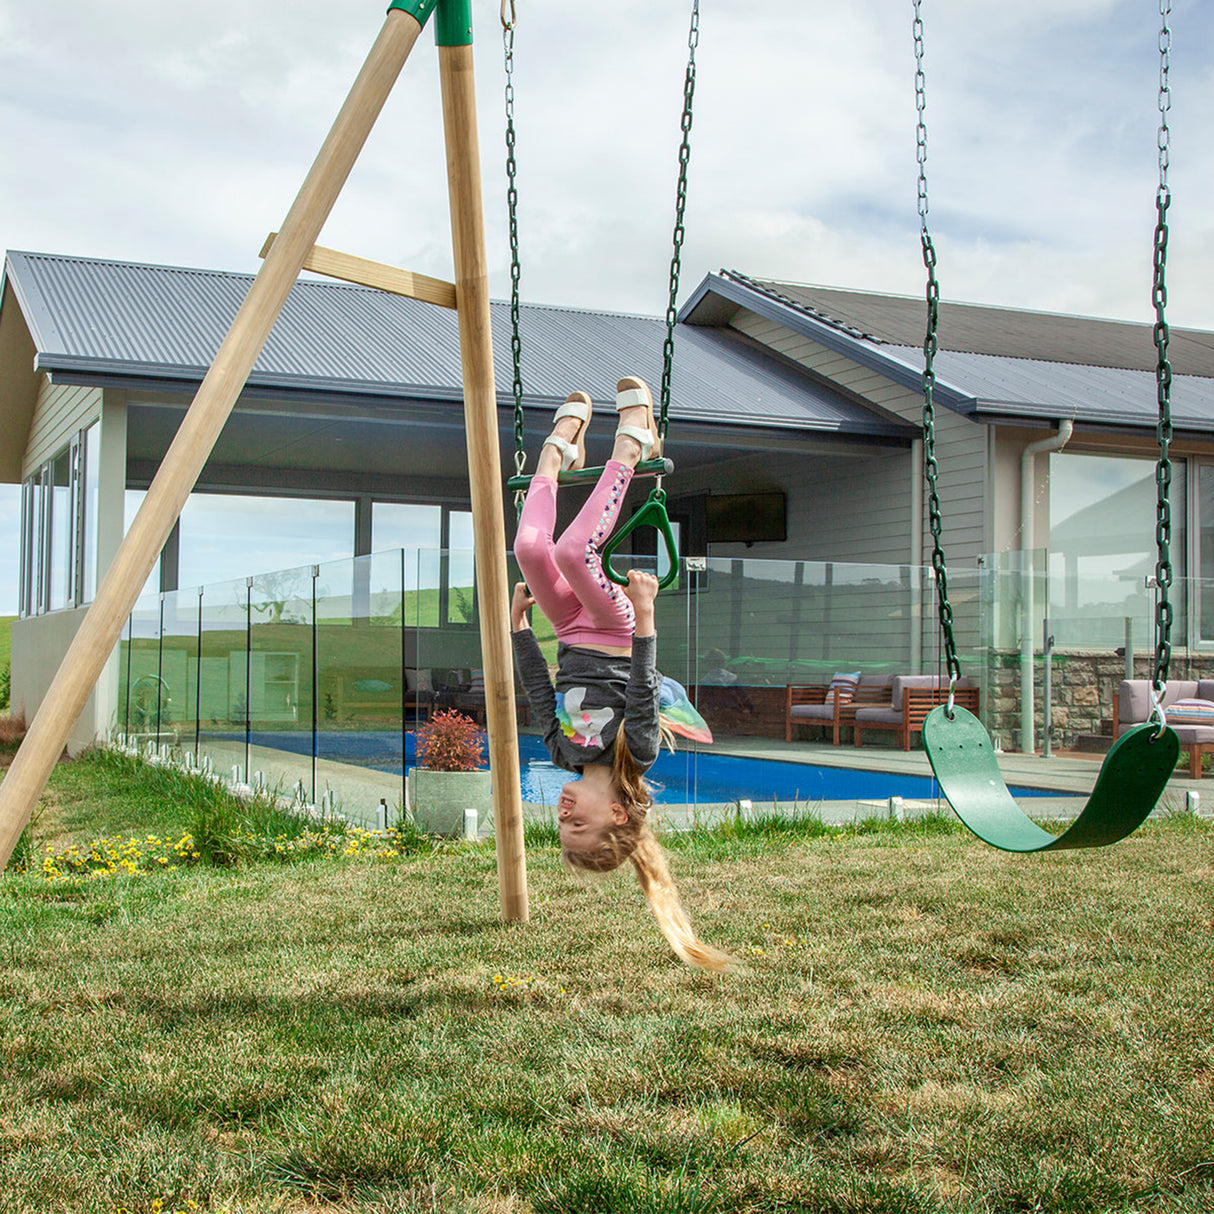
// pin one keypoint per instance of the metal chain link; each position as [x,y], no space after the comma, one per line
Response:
[1163,369]
[930,346]
[516,344]
[672,311]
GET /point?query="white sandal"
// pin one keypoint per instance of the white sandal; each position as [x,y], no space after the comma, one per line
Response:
[629,393]
[573,454]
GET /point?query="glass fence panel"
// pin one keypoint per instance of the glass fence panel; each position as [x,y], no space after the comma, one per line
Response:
[452,654]
[278,682]
[328,691]
[140,709]
[360,683]
[179,668]
[223,692]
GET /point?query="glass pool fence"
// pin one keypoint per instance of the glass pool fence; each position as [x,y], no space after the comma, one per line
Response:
[312,680]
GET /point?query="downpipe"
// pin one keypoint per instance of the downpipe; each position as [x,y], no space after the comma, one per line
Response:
[1055,442]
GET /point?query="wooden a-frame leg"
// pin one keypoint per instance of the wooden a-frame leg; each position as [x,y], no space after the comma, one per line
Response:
[102,625]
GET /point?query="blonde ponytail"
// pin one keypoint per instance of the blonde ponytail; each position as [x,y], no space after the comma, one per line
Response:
[652,872]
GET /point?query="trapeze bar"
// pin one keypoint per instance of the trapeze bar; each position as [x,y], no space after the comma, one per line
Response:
[587,476]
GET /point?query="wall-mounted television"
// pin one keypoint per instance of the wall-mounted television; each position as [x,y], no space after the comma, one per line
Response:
[746,518]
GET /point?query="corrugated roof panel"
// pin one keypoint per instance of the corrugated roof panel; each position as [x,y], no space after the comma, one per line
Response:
[1012,332]
[1052,390]
[334,336]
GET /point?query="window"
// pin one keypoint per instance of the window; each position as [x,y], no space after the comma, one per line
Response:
[445,582]
[90,497]
[1204,586]
[59,527]
[461,572]
[227,536]
[1102,550]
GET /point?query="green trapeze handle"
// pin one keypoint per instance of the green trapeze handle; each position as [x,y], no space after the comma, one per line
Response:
[651,514]
[1132,779]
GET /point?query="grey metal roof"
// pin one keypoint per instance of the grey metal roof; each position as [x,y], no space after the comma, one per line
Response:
[885,333]
[126,321]
[899,320]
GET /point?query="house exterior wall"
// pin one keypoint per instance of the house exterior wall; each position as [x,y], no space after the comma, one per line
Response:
[824,523]
[39,644]
[961,445]
[876,498]
[40,641]
[59,412]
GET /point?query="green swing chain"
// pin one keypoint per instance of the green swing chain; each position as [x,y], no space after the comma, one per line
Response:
[930,346]
[508,18]
[1163,371]
[676,260]
[516,344]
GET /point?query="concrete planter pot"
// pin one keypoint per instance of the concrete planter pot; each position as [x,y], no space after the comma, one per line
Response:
[439,799]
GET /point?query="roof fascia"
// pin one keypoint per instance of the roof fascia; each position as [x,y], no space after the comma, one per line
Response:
[801,323]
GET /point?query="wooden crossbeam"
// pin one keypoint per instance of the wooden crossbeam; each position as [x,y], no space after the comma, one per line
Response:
[375,274]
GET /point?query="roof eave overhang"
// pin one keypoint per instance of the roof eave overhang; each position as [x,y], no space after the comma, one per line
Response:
[1123,425]
[182,381]
[698,310]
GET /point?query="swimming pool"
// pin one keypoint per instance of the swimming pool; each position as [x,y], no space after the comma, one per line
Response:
[680,778]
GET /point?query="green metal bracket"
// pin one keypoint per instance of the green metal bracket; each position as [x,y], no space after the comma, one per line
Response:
[453,25]
[419,10]
[651,514]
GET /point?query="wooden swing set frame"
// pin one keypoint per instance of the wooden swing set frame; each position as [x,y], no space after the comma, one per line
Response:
[287,252]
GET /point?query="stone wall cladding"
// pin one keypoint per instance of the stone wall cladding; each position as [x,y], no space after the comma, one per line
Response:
[1081,693]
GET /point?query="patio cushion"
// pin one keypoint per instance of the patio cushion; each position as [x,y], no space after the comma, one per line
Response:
[1134,697]
[876,680]
[843,686]
[812,712]
[892,715]
[1189,734]
[1191,712]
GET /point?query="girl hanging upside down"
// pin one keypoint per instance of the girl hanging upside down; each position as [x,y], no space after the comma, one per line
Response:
[601,720]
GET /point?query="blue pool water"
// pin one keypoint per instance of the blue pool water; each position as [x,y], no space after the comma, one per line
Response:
[678,778]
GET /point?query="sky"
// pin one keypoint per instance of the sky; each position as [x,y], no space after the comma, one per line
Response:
[179,134]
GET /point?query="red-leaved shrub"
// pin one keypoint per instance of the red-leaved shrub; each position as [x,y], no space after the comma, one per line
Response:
[450,741]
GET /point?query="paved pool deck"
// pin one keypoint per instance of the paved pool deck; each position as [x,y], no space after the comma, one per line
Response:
[1069,775]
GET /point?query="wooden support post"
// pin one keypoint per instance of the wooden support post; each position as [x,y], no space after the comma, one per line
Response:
[103,622]
[484,470]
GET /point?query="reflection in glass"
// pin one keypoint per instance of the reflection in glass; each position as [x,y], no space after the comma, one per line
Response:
[61,531]
[1102,548]
[92,498]
[225,536]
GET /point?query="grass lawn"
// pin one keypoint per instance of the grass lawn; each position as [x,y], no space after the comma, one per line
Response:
[924,1025]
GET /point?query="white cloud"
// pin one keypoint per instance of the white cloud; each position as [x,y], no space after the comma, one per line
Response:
[180,134]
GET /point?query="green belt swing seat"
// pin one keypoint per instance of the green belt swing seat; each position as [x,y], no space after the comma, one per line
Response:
[1137,768]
